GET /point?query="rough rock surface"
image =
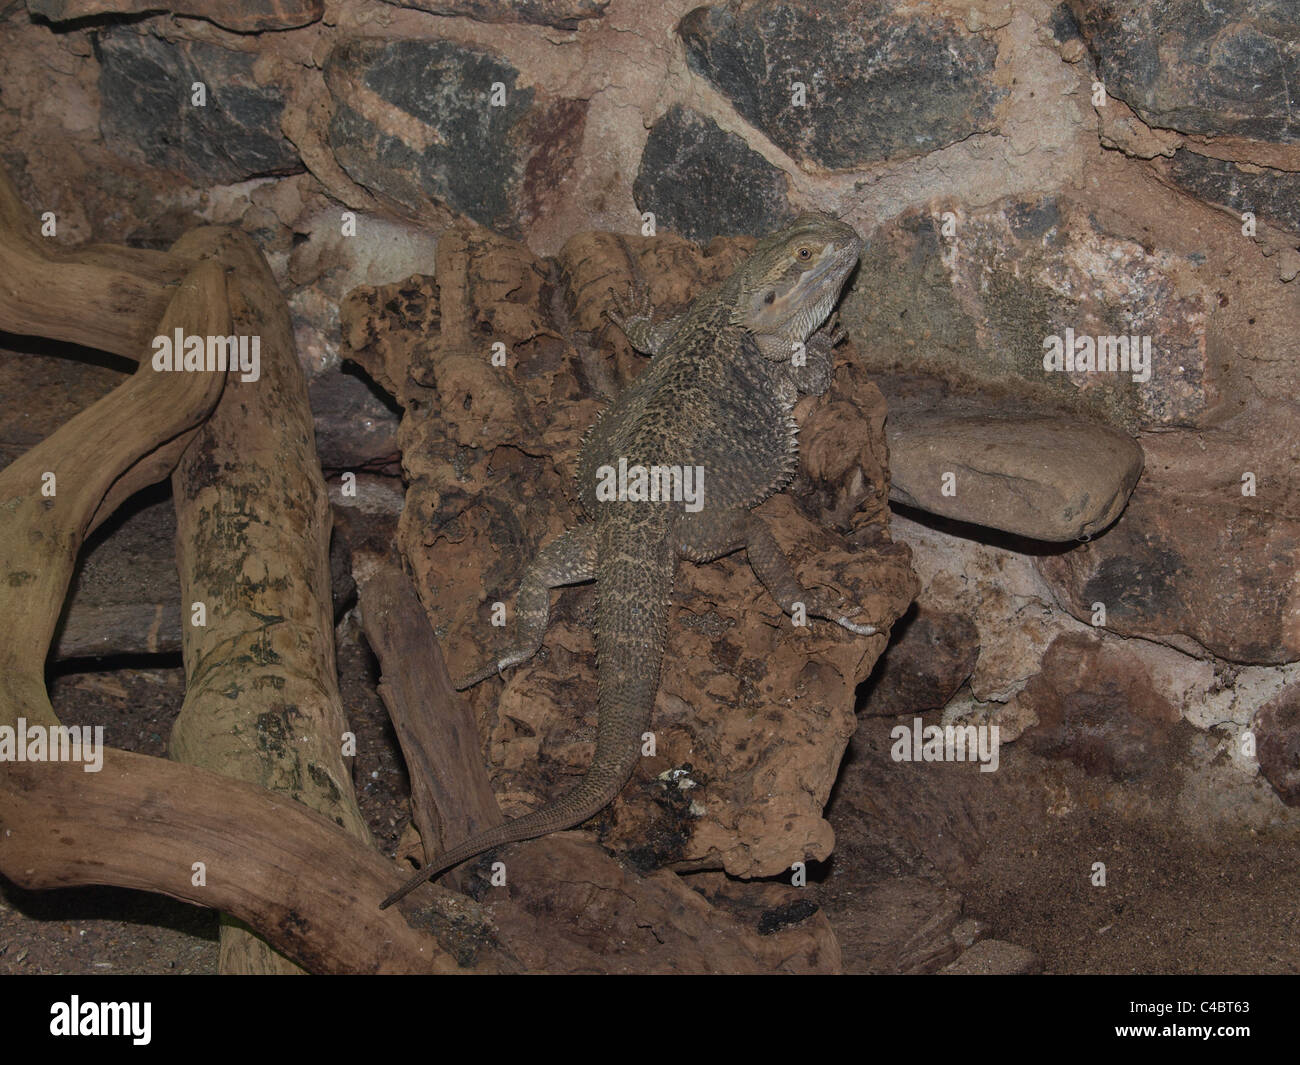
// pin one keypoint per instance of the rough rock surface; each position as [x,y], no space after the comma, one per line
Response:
[999,589]
[931,654]
[424,121]
[145,85]
[1277,735]
[1022,474]
[245,16]
[1096,706]
[898,84]
[1207,555]
[979,306]
[561,14]
[354,430]
[702,182]
[753,714]
[1222,68]
[1273,196]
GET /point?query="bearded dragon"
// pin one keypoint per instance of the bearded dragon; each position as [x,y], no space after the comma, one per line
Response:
[717,397]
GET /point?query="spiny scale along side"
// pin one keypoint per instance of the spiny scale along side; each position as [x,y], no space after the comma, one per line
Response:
[717,398]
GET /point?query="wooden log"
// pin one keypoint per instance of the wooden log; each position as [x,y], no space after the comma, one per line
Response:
[139,821]
[93,456]
[451,795]
[253,526]
[102,297]
[311,889]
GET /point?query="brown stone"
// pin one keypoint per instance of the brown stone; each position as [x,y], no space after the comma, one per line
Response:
[1047,478]
[1277,733]
[930,655]
[1197,561]
[1096,706]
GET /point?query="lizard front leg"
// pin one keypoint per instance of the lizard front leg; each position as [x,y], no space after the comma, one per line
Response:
[710,536]
[571,559]
[813,377]
[634,314]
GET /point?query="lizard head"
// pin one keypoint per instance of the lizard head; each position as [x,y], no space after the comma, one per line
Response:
[792,280]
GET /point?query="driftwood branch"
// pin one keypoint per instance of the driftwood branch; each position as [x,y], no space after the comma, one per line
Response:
[311,890]
[252,548]
[451,796]
[253,529]
[107,298]
[90,457]
[296,876]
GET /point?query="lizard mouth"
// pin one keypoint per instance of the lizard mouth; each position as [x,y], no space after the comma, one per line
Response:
[822,284]
[834,267]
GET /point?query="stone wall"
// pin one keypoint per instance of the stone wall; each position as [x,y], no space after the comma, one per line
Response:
[1021,169]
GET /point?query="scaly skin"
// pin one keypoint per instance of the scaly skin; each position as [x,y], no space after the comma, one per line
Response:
[718,395]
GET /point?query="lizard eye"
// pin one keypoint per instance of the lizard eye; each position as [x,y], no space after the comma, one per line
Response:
[803,254]
[770,298]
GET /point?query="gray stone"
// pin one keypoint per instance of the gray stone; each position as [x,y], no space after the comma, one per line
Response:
[881,82]
[414,122]
[1063,24]
[1046,478]
[126,595]
[355,429]
[979,303]
[239,16]
[1229,67]
[701,181]
[145,88]
[1273,195]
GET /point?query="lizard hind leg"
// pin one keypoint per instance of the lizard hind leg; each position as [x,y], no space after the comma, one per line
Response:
[632,599]
[704,541]
[772,568]
[570,559]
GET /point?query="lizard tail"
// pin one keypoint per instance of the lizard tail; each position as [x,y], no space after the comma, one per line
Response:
[632,606]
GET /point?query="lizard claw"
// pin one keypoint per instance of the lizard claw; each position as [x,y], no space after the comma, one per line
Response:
[831,332]
[845,621]
[853,626]
[629,308]
[498,667]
